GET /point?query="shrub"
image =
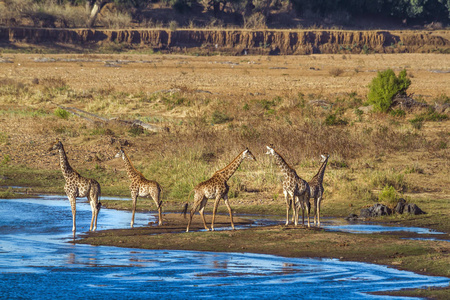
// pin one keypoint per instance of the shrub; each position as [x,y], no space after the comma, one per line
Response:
[6,159]
[385,87]
[62,113]
[335,72]
[430,115]
[388,195]
[334,119]
[397,113]
[416,123]
[173,25]
[220,117]
[255,21]
[135,131]
[117,20]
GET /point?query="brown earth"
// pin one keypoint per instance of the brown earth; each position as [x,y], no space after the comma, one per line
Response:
[227,78]
[239,42]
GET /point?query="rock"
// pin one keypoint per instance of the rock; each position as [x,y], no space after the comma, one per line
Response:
[375,211]
[352,217]
[366,109]
[442,108]
[400,206]
[413,209]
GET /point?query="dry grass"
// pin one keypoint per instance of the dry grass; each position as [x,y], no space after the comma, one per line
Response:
[211,118]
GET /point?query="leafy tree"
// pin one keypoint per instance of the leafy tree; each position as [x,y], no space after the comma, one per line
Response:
[385,87]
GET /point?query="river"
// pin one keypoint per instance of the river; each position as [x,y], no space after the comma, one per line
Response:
[38,261]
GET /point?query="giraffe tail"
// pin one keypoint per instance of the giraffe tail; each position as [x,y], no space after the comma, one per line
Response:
[185,208]
[185,205]
[160,197]
[98,192]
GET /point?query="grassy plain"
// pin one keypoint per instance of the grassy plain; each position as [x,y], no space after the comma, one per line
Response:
[214,107]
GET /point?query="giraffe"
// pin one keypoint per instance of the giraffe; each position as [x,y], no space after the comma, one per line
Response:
[316,188]
[78,186]
[294,188]
[216,188]
[141,187]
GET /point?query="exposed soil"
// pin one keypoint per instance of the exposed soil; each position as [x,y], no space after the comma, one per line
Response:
[240,42]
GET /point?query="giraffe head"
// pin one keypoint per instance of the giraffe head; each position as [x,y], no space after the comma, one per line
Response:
[120,153]
[324,157]
[270,150]
[248,154]
[57,146]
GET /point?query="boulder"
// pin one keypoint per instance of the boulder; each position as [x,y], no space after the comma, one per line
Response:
[413,209]
[400,206]
[376,210]
[352,217]
[366,109]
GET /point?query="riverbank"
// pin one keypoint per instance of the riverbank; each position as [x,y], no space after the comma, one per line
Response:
[229,41]
[402,250]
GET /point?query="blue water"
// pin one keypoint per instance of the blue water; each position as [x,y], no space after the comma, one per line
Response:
[37,261]
[374,228]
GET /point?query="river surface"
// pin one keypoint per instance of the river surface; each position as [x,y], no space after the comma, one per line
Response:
[38,261]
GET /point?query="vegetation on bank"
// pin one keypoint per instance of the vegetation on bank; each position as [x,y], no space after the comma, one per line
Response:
[434,14]
[358,142]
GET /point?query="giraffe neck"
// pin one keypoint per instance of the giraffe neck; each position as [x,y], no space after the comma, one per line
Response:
[229,170]
[321,172]
[64,162]
[131,170]
[285,168]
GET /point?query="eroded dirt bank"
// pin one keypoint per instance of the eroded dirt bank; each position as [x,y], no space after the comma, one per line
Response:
[284,42]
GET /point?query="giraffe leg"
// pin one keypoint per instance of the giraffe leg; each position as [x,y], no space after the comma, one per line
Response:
[96,218]
[292,204]
[197,202]
[288,206]
[315,210]
[95,205]
[295,211]
[156,198]
[134,197]
[302,201]
[73,206]
[93,209]
[216,203]
[319,199]
[307,206]
[201,211]
[229,210]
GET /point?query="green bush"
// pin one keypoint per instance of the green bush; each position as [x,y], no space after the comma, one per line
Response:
[62,113]
[388,195]
[385,87]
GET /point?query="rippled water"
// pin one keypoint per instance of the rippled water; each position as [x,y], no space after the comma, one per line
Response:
[373,228]
[38,262]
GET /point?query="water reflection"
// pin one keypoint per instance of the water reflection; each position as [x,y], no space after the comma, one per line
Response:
[372,228]
[37,262]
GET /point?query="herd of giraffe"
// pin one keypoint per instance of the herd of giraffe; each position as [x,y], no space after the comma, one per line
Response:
[297,191]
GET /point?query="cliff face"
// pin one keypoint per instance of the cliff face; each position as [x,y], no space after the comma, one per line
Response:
[284,42]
